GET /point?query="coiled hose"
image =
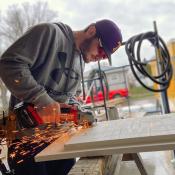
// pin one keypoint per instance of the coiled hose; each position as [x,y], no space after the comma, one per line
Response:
[133,47]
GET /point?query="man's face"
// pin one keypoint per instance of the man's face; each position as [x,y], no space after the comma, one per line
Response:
[92,50]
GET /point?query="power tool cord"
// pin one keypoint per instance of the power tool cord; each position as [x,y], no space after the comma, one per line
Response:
[133,49]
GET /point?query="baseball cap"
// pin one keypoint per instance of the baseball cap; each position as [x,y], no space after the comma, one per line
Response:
[110,35]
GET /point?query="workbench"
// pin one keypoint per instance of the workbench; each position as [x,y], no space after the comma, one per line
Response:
[132,135]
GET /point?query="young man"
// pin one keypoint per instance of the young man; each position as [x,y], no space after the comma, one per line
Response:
[43,67]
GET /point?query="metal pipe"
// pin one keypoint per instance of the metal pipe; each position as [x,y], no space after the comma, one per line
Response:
[164,97]
[101,82]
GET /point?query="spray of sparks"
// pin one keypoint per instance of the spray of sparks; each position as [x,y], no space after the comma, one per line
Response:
[31,141]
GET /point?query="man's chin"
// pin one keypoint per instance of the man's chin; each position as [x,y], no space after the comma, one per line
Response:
[86,60]
[85,57]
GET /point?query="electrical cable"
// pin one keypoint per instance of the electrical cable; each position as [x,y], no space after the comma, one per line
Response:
[82,77]
[133,48]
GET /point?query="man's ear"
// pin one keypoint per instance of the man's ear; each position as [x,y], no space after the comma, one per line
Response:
[91,31]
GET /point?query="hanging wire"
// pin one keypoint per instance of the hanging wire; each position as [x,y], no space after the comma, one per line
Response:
[133,48]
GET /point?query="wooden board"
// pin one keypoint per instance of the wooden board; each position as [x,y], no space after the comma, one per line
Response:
[151,133]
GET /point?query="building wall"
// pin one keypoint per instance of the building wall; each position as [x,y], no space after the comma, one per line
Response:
[171,89]
[117,78]
[171,47]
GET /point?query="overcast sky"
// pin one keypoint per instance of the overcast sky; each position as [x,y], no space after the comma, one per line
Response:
[132,16]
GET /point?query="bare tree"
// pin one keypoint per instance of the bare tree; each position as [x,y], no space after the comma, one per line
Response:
[3,96]
[0,35]
[20,17]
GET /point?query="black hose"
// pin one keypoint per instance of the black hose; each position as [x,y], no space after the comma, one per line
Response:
[133,47]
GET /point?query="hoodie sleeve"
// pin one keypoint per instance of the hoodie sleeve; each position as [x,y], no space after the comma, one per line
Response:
[17,61]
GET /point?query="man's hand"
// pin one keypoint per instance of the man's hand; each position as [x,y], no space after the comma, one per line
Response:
[50,113]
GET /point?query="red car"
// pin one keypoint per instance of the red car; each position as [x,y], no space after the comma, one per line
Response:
[112,94]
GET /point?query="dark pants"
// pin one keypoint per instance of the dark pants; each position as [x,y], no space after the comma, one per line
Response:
[56,167]
[29,167]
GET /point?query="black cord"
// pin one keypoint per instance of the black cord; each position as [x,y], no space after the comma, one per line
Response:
[133,53]
[82,77]
[103,91]
[3,118]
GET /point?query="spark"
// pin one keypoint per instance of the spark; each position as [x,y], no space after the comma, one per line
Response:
[28,146]
[19,161]
[12,155]
[17,81]
[31,141]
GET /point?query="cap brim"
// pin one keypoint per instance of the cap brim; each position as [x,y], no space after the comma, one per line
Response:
[110,61]
[108,56]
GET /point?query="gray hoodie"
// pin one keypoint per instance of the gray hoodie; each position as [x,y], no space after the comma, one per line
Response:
[35,68]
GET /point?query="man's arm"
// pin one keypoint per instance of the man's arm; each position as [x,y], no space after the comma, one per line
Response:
[16,62]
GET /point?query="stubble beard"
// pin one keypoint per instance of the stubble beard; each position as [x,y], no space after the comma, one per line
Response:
[85,48]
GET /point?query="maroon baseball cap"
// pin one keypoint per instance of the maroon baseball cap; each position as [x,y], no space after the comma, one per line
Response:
[110,36]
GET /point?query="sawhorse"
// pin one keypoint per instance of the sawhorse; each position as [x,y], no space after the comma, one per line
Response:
[107,165]
[138,160]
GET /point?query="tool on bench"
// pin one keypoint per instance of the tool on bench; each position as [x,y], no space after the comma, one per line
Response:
[28,117]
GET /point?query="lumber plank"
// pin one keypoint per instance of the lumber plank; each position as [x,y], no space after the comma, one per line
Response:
[123,132]
[151,133]
[101,165]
